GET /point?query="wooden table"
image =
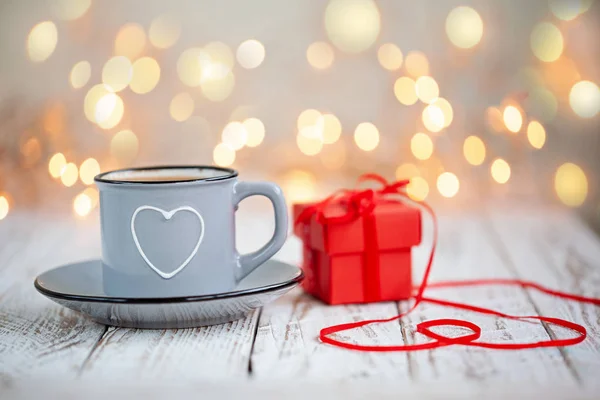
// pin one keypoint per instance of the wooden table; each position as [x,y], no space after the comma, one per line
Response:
[274,352]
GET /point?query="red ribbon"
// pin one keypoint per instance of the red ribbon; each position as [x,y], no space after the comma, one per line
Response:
[360,204]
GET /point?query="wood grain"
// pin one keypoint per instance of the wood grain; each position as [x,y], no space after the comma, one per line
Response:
[38,338]
[466,251]
[557,250]
[218,351]
[42,342]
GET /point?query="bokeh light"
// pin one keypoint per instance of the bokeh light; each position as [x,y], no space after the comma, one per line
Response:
[124,146]
[223,155]
[69,175]
[352,25]
[91,100]
[421,146]
[320,55]
[56,165]
[474,150]
[69,10]
[546,42]
[500,170]
[433,118]
[250,54]
[584,99]
[146,74]
[41,41]
[299,186]
[446,108]
[82,204]
[448,184]
[513,120]
[93,195]
[332,128]
[390,56]
[571,184]
[234,135]
[255,130]
[80,74]
[109,111]
[427,89]
[4,207]
[117,73]
[418,188]
[366,136]
[308,117]
[88,170]
[164,31]
[405,91]
[130,41]
[536,134]
[181,106]
[464,27]
[189,66]
[218,88]
[416,64]
[407,171]
[568,10]
[309,144]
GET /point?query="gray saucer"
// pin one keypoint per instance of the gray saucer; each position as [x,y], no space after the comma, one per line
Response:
[79,287]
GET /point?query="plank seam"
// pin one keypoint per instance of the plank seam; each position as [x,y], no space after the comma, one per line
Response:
[254,335]
[92,351]
[503,253]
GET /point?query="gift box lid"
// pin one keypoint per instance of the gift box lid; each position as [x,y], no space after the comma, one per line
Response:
[398,226]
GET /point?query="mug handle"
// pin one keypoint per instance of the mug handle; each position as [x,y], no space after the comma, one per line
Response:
[248,262]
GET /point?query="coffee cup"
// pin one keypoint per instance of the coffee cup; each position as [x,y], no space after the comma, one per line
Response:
[170,230]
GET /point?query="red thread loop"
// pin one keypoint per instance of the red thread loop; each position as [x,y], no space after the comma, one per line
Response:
[359,203]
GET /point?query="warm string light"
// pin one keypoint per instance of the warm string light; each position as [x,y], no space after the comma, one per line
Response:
[164,31]
[4,207]
[474,150]
[352,25]
[500,170]
[571,184]
[299,186]
[536,134]
[448,184]
[80,74]
[421,146]
[366,136]
[513,120]
[584,99]
[250,54]
[41,41]
[546,42]
[464,27]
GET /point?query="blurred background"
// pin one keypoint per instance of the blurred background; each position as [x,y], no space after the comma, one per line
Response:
[475,101]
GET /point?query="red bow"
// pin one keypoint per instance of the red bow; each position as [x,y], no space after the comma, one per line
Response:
[362,202]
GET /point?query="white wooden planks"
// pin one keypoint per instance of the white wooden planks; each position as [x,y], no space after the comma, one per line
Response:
[38,338]
[557,250]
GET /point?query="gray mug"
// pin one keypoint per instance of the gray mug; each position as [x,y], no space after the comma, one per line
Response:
[170,231]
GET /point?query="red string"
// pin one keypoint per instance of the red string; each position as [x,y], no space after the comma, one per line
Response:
[358,203]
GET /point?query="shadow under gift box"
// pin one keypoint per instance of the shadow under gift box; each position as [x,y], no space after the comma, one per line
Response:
[362,261]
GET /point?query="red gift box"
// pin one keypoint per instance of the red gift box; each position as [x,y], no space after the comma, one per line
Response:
[366,259]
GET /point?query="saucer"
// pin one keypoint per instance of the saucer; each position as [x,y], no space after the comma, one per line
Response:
[78,286]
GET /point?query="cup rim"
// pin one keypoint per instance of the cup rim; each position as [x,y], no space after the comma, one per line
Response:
[228,174]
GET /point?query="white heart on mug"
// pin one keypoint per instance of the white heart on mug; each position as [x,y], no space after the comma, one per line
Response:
[167,215]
